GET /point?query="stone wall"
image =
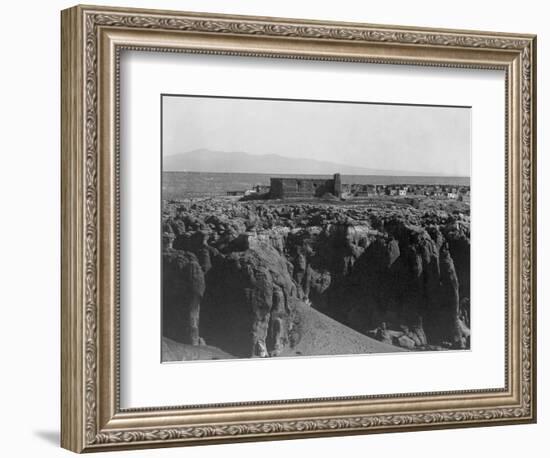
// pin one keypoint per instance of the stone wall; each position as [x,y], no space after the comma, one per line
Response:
[304,187]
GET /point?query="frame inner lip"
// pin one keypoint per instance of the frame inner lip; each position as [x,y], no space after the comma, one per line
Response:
[286,402]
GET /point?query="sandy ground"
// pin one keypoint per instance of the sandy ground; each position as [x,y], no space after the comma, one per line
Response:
[321,335]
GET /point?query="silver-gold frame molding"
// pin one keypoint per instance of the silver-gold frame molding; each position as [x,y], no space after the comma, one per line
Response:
[92,39]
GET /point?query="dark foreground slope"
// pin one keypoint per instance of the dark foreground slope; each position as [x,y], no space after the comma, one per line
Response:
[176,351]
[319,335]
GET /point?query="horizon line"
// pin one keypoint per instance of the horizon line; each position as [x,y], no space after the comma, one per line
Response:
[410,174]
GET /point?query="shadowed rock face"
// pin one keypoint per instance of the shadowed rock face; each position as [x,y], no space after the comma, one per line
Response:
[400,275]
[457,235]
[182,293]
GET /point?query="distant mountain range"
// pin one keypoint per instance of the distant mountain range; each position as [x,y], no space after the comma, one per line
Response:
[203,160]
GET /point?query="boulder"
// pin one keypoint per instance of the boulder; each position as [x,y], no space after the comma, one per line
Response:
[404,341]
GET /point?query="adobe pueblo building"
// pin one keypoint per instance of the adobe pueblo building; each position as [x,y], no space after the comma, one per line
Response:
[305,188]
[282,188]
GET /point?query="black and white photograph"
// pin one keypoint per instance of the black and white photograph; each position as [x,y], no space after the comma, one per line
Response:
[312,228]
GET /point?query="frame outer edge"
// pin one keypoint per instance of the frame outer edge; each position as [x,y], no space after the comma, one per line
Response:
[72,435]
[80,429]
[533,253]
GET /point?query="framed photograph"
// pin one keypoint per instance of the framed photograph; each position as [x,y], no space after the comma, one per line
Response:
[277,228]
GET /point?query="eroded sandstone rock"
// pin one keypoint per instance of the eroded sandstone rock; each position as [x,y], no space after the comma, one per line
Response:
[248,306]
[398,269]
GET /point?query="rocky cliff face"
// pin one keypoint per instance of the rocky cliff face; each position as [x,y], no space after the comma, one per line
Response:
[400,275]
[248,309]
[402,278]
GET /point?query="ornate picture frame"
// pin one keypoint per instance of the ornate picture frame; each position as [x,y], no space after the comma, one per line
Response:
[92,40]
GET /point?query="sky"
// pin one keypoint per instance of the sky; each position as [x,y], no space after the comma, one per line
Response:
[426,139]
